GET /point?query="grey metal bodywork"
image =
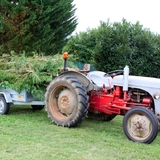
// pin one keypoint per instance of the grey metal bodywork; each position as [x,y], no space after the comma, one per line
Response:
[99,79]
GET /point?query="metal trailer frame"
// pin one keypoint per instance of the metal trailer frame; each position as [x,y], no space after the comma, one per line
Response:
[23,98]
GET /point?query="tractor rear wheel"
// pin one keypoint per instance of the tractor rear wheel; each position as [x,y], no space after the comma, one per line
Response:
[100,116]
[66,101]
[140,125]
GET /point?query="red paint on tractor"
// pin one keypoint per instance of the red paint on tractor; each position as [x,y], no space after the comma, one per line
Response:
[115,102]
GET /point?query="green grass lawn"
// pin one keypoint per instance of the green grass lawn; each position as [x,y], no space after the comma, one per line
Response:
[26,134]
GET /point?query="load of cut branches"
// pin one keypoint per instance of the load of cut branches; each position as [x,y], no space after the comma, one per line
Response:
[32,73]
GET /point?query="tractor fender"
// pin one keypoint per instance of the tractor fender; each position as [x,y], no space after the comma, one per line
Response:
[7,96]
[82,78]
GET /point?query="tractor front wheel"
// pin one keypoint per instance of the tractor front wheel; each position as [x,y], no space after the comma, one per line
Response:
[140,125]
[66,101]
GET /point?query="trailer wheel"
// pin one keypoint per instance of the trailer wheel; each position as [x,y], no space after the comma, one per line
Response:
[66,101]
[140,125]
[37,107]
[100,116]
[4,106]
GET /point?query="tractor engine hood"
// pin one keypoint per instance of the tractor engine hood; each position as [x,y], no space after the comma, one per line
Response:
[137,82]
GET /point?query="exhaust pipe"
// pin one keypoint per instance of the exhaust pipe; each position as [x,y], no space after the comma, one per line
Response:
[125,78]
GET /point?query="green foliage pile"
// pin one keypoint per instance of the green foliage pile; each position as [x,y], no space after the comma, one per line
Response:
[32,73]
[112,46]
[38,26]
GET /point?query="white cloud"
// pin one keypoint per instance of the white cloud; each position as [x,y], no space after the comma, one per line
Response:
[91,12]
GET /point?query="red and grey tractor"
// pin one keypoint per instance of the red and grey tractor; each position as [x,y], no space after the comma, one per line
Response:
[73,95]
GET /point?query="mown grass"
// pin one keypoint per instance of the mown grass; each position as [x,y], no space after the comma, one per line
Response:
[30,135]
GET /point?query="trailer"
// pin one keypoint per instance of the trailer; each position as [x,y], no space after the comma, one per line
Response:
[10,97]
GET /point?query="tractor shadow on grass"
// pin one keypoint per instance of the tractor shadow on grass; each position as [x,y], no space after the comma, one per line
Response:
[113,126]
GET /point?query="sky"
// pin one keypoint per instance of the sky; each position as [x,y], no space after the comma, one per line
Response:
[91,12]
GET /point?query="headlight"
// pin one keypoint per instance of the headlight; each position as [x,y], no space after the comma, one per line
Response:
[156,95]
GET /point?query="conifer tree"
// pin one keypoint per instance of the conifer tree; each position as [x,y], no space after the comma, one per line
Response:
[33,25]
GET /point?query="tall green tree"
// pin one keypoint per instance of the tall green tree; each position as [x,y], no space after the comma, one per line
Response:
[34,25]
[123,43]
[82,46]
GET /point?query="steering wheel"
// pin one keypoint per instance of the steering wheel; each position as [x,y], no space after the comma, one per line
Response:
[114,73]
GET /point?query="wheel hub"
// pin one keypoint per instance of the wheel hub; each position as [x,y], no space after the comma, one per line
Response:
[140,126]
[66,102]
